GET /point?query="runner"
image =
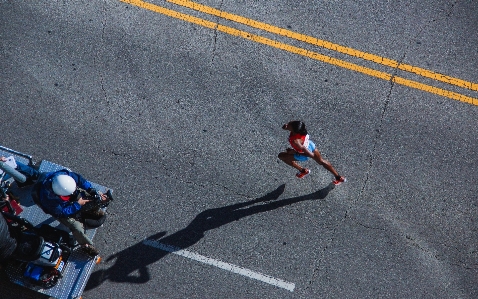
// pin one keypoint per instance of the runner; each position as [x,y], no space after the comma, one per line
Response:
[303,149]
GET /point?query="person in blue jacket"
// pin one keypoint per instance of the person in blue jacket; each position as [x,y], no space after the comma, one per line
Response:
[61,197]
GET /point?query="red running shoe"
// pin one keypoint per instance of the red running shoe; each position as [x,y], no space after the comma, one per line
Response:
[303,173]
[339,181]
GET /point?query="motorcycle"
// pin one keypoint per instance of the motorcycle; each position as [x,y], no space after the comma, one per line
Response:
[40,253]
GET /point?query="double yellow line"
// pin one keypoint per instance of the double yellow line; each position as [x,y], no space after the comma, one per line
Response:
[316,42]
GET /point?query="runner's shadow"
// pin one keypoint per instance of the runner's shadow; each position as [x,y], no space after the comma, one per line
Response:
[130,265]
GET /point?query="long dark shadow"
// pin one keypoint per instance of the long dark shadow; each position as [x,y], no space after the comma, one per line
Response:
[130,265]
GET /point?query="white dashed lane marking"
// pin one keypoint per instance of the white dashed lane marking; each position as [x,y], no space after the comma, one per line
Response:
[222,265]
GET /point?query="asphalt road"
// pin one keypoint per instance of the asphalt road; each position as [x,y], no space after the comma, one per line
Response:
[184,122]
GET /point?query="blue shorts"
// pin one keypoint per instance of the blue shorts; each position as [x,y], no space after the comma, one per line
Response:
[303,157]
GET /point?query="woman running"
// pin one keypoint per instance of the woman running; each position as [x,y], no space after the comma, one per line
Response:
[303,149]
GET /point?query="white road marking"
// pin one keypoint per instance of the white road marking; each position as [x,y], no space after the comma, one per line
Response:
[222,265]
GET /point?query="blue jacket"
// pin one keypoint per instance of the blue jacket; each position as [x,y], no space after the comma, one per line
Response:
[52,203]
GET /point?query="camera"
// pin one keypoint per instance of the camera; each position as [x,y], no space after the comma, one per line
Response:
[95,200]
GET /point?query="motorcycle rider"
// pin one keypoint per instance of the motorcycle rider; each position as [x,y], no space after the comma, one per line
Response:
[59,196]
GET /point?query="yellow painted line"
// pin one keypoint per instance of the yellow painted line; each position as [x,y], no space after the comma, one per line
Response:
[327,45]
[300,51]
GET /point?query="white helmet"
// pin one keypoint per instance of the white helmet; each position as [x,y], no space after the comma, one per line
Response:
[63,185]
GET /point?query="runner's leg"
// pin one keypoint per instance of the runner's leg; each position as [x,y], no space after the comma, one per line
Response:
[288,158]
[326,164]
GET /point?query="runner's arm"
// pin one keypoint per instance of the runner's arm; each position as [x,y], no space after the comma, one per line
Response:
[304,149]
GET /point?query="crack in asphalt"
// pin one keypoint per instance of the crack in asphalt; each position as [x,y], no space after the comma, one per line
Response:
[387,99]
[97,56]
[369,227]
[379,129]
[215,33]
